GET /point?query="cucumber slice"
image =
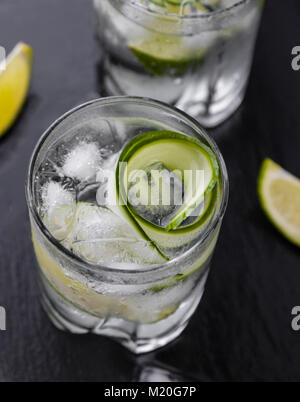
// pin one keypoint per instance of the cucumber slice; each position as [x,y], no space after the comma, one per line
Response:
[199,264]
[164,147]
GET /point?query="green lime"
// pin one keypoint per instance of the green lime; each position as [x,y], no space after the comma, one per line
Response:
[279,195]
[14,84]
[165,55]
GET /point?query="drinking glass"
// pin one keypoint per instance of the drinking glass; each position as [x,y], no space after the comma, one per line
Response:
[144,306]
[199,62]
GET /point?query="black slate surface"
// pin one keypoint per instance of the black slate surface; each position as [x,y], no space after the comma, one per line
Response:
[242,329]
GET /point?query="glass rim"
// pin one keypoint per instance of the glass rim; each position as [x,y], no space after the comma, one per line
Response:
[238,3]
[110,269]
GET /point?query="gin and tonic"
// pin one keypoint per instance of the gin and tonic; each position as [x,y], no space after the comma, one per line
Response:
[195,54]
[126,198]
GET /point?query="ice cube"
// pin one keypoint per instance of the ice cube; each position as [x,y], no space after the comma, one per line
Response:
[83,161]
[58,207]
[100,236]
[155,193]
[54,195]
[108,166]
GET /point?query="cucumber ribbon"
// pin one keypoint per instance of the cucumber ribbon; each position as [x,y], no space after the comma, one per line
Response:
[178,158]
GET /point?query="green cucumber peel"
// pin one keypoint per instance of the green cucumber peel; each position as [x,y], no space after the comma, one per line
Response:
[180,277]
[174,234]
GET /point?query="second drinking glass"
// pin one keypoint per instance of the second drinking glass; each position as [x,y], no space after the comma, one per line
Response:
[195,54]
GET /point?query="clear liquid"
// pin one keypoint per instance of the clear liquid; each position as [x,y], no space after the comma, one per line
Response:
[76,187]
[140,316]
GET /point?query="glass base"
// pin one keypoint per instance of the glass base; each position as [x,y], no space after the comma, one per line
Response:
[138,338]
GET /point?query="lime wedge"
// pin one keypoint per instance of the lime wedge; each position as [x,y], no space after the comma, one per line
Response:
[279,195]
[14,83]
[165,55]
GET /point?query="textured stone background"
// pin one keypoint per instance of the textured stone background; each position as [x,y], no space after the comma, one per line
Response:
[241,330]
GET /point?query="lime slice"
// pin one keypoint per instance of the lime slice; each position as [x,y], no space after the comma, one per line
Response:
[14,83]
[76,290]
[279,195]
[164,147]
[165,55]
